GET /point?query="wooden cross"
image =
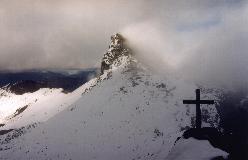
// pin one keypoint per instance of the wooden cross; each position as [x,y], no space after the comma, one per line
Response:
[198,103]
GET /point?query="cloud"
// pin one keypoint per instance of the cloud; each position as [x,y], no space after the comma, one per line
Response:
[197,39]
[59,33]
[204,44]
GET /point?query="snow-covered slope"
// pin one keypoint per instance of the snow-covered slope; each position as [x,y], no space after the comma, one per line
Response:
[20,110]
[126,113]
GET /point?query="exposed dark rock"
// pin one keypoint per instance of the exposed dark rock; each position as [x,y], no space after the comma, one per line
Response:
[14,133]
[158,133]
[116,49]
[26,86]
[19,111]
[2,132]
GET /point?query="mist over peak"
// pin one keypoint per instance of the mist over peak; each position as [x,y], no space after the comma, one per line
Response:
[200,40]
[211,53]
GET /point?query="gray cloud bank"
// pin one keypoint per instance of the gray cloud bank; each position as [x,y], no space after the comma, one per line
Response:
[60,33]
[205,42]
[203,39]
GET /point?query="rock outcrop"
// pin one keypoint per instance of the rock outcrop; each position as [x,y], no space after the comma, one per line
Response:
[116,50]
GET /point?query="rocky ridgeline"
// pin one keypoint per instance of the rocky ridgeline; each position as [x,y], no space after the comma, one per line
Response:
[116,50]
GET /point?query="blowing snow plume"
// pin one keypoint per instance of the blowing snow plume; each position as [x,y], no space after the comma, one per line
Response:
[207,51]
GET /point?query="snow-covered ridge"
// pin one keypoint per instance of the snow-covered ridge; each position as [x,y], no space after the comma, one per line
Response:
[10,102]
[33,100]
[126,113]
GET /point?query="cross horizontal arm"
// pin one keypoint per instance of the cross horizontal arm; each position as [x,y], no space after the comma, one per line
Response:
[198,102]
[189,101]
[206,101]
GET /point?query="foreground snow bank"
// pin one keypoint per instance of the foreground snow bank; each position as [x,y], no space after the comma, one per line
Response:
[193,149]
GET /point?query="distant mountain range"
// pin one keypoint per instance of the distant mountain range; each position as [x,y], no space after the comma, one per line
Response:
[32,80]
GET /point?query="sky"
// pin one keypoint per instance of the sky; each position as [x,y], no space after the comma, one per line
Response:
[203,39]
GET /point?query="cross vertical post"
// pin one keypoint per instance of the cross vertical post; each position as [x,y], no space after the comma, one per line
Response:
[198,109]
[198,103]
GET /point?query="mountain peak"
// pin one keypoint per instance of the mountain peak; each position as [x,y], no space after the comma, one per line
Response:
[117,41]
[116,50]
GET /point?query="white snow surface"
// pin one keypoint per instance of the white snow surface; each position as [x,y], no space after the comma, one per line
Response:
[193,149]
[127,113]
[41,105]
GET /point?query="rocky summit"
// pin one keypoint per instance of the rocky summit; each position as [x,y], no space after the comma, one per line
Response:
[116,50]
